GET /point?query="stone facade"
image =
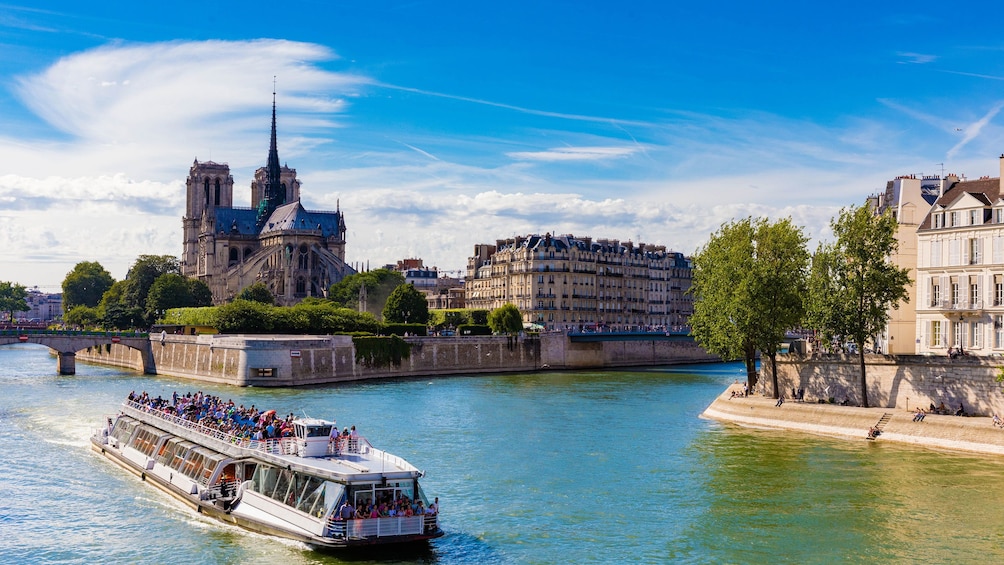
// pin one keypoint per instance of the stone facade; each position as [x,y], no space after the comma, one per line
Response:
[295,252]
[567,282]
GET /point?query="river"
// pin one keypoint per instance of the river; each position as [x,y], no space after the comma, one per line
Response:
[563,467]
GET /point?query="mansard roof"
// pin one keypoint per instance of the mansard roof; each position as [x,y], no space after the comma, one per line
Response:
[985,190]
[536,242]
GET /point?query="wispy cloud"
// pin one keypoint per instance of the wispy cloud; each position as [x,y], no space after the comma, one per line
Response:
[574,154]
[916,58]
[973,130]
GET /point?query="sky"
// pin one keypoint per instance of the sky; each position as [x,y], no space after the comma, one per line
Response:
[437,125]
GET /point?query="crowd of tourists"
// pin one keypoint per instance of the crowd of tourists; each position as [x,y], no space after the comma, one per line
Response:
[386,507]
[222,415]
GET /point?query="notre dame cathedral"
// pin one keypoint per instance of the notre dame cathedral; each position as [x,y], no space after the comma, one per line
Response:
[295,252]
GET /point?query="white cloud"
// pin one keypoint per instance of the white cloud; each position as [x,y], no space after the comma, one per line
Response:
[574,154]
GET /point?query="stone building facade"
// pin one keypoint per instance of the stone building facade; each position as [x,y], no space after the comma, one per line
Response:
[960,270]
[568,282]
[295,252]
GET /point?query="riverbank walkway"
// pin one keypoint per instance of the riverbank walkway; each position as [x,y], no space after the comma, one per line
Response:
[975,434]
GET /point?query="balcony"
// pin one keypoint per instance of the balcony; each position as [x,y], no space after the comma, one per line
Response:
[961,309]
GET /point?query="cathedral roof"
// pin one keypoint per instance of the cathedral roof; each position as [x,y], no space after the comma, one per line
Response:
[294,216]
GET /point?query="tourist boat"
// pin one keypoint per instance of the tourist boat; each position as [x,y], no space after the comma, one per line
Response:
[293,487]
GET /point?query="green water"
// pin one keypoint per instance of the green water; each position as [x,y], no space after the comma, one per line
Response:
[583,467]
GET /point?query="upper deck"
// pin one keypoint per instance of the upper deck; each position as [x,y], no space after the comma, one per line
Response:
[346,459]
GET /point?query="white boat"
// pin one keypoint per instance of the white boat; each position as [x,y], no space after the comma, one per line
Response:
[298,487]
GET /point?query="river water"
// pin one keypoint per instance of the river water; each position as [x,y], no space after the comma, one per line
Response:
[577,467]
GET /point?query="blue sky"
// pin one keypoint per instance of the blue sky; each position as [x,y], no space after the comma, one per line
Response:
[438,125]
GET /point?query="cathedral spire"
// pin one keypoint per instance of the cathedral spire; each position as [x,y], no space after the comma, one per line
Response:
[275,196]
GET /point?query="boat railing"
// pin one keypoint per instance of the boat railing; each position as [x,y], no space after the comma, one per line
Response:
[365,528]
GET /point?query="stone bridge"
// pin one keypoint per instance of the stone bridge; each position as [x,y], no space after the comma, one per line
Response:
[66,344]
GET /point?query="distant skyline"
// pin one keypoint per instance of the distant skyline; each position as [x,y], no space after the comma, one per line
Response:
[438,125]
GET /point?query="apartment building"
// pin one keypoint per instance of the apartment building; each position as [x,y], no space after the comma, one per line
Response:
[568,282]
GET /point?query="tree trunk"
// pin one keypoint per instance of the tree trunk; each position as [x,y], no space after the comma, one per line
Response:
[751,373]
[864,383]
[751,376]
[773,370]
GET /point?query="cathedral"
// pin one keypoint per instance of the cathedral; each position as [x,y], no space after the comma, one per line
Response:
[295,252]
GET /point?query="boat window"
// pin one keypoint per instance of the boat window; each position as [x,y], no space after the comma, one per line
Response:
[281,486]
[167,454]
[178,460]
[123,429]
[145,440]
[318,431]
[333,494]
[308,495]
[209,466]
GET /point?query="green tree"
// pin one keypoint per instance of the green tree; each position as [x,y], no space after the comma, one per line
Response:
[201,295]
[782,263]
[378,283]
[405,305]
[167,291]
[748,286]
[85,285]
[854,283]
[244,316]
[723,322]
[257,292]
[506,319]
[12,299]
[143,273]
[82,316]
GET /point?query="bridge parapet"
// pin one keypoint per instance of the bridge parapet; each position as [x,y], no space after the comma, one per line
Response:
[66,343]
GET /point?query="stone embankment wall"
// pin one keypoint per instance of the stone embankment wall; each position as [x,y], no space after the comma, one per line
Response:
[943,432]
[307,360]
[894,381]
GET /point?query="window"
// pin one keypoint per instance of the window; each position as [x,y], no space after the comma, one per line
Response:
[974,295]
[269,372]
[935,340]
[954,217]
[998,290]
[974,250]
[939,220]
[975,332]
[975,217]
[998,331]
[999,215]
[955,293]
[957,334]
[935,292]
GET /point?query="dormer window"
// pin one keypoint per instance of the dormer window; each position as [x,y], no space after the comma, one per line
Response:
[999,215]
[939,220]
[954,219]
[975,217]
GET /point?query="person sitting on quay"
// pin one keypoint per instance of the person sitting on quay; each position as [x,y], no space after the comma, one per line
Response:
[961,411]
[780,400]
[997,422]
[920,415]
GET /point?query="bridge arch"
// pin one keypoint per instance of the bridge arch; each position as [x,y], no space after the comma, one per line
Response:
[67,343]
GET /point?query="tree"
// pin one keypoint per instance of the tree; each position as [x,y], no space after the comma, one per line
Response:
[782,263]
[141,275]
[85,285]
[82,316]
[167,291]
[506,319]
[405,305]
[201,295]
[378,283]
[257,292]
[748,286]
[12,299]
[723,322]
[854,283]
